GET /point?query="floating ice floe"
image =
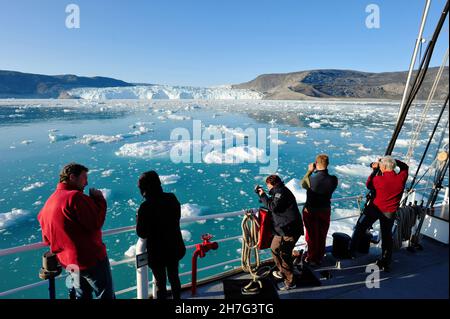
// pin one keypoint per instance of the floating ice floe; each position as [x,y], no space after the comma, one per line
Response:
[360,147]
[354,170]
[33,186]
[187,236]
[239,154]
[60,137]
[345,186]
[405,143]
[367,159]
[10,218]
[169,179]
[107,173]
[277,141]
[178,117]
[190,210]
[106,192]
[91,139]
[151,148]
[314,125]
[294,186]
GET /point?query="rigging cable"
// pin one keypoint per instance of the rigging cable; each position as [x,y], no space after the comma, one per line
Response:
[416,133]
[418,79]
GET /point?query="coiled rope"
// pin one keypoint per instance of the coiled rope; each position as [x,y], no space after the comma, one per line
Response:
[250,242]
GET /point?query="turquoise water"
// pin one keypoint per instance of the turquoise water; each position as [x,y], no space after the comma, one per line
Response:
[351,133]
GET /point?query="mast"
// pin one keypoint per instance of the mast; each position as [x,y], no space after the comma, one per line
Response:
[414,56]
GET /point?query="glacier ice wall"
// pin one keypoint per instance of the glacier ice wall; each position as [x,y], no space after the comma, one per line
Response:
[165,92]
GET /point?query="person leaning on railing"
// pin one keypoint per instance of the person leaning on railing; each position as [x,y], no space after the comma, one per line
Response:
[158,221]
[71,224]
[387,188]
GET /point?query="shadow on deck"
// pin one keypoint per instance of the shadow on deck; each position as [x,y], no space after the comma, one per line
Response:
[414,275]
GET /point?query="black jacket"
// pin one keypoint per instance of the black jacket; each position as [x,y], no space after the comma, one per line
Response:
[286,218]
[321,188]
[158,221]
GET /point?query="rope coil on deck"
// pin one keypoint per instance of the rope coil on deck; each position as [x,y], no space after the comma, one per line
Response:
[250,242]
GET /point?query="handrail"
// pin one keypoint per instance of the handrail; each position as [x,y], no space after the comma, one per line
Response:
[115,231]
[35,246]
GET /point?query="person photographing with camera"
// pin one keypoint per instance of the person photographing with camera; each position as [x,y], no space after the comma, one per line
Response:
[287,227]
[319,187]
[386,188]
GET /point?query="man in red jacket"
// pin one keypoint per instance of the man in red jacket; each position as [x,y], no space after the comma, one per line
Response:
[71,224]
[387,191]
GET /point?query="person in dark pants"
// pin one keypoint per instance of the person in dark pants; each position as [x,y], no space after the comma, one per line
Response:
[287,227]
[387,190]
[72,224]
[158,221]
[319,187]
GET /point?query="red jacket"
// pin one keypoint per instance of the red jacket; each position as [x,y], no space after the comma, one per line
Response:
[71,224]
[388,188]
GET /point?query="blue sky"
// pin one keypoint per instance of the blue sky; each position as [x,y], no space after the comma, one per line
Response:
[209,42]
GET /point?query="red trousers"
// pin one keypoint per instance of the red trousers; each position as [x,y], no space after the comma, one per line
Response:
[316,224]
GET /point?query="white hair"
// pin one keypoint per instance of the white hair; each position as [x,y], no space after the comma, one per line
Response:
[388,162]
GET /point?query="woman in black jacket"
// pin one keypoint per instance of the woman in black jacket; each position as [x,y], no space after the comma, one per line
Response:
[158,221]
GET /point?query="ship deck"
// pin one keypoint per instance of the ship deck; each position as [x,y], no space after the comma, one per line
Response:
[422,274]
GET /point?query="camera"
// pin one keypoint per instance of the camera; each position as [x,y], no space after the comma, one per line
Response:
[257,188]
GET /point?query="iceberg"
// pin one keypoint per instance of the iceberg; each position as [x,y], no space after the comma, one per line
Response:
[10,218]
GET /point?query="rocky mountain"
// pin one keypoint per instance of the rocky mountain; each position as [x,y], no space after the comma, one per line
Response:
[26,85]
[342,84]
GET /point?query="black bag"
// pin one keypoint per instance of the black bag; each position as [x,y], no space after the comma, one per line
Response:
[341,245]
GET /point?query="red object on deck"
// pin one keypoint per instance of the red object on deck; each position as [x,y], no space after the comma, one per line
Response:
[200,251]
[265,229]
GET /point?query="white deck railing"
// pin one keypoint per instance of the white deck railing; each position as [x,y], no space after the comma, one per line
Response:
[142,273]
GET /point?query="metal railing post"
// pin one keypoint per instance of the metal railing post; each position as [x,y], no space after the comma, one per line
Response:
[153,287]
[142,272]
[445,201]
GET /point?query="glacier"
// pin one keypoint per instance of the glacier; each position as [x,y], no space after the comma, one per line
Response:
[164,92]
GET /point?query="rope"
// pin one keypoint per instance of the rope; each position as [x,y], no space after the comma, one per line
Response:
[250,242]
[423,118]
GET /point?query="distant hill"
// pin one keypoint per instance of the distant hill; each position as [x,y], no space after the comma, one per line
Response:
[342,84]
[26,85]
[301,85]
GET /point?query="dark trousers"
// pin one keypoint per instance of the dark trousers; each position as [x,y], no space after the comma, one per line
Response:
[281,249]
[317,223]
[370,215]
[160,271]
[96,280]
